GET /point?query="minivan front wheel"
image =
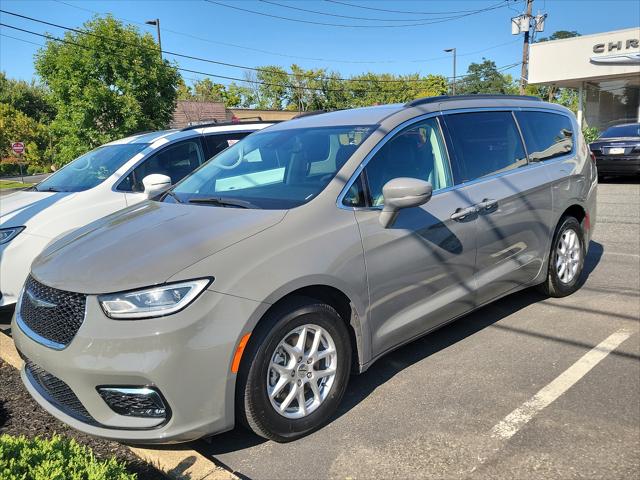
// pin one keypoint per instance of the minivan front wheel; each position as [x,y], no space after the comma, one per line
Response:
[566,259]
[296,372]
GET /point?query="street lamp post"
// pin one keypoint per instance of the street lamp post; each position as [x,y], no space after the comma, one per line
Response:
[453,84]
[156,22]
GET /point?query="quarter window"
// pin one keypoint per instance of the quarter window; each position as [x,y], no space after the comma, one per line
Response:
[547,135]
[484,143]
[176,161]
[416,152]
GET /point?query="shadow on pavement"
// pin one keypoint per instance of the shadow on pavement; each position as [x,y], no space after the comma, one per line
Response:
[361,386]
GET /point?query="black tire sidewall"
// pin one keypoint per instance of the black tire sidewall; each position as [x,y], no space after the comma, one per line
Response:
[257,404]
[560,288]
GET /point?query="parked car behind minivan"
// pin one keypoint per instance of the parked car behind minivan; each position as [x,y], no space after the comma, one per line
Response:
[100,182]
[307,251]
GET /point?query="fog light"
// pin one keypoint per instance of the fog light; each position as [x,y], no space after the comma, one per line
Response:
[134,401]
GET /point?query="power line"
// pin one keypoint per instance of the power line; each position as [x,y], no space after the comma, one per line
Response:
[216,62]
[403,11]
[235,7]
[332,14]
[284,55]
[209,74]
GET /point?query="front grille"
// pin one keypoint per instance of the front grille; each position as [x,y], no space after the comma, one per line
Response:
[54,315]
[57,392]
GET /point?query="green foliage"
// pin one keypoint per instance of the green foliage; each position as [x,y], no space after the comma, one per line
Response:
[559,35]
[590,134]
[54,459]
[15,126]
[319,89]
[485,78]
[105,85]
[29,98]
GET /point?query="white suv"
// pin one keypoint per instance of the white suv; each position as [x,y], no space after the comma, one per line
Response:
[100,182]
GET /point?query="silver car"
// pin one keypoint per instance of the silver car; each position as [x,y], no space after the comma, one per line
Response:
[302,254]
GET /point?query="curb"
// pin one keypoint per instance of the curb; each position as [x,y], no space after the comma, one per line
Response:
[177,464]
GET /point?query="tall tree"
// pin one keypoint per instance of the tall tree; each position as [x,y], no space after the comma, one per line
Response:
[485,78]
[29,98]
[106,83]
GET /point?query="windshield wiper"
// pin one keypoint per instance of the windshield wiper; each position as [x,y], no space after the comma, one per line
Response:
[49,189]
[224,202]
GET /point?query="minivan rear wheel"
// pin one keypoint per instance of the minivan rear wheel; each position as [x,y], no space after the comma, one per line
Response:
[295,372]
[566,259]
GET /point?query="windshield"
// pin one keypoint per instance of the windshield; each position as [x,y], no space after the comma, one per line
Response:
[278,169]
[90,169]
[621,131]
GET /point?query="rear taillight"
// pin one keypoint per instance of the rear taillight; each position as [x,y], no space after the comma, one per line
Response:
[593,157]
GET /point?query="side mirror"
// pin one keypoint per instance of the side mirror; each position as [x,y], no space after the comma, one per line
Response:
[402,193]
[155,184]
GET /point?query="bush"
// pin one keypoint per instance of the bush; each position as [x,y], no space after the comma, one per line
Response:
[10,169]
[54,459]
[590,134]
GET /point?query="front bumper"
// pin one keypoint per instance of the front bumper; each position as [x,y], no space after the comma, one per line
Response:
[186,356]
[618,165]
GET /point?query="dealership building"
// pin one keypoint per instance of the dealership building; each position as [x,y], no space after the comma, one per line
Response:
[604,68]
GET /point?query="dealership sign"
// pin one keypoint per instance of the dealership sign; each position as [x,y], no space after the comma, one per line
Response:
[18,148]
[618,52]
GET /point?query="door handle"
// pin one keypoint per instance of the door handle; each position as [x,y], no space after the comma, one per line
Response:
[462,213]
[487,204]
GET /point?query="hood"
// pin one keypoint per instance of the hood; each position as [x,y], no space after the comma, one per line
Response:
[145,245]
[16,209]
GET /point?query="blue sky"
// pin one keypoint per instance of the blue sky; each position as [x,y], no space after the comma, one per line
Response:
[267,40]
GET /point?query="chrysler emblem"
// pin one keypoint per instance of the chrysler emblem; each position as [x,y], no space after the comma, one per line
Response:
[37,302]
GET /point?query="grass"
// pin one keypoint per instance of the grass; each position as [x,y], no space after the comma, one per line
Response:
[56,458]
[5,184]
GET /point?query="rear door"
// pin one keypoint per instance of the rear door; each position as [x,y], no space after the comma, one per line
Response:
[512,198]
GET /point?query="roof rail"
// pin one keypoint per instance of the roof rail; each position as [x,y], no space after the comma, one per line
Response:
[309,113]
[226,124]
[449,98]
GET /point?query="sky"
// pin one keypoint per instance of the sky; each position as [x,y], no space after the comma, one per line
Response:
[218,32]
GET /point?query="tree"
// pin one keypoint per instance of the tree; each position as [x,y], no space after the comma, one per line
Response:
[29,98]
[485,78]
[559,35]
[17,126]
[107,83]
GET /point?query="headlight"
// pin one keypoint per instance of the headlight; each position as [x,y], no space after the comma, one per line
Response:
[154,301]
[8,234]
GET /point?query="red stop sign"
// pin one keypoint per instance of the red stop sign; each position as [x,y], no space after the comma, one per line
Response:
[18,147]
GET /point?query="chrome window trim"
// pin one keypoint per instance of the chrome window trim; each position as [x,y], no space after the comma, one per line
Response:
[439,114]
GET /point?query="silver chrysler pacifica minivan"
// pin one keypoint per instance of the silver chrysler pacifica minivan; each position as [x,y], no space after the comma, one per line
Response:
[305,252]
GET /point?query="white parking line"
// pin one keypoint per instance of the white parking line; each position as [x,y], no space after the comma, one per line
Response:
[513,422]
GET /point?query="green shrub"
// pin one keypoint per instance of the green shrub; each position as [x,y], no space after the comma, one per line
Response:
[54,459]
[591,134]
[10,169]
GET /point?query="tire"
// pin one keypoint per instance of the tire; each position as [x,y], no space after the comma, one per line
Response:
[561,282]
[259,376]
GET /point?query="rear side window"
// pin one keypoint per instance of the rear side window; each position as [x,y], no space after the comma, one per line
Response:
[547,135]
[484,143]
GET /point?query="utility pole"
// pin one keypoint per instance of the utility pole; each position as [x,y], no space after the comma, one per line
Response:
[453,84]
[525,49]
[156,22]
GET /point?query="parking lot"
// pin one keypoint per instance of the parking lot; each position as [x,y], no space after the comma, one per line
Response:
[428,409]
[525,388]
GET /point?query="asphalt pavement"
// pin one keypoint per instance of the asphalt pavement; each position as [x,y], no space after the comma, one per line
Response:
[430,409]
[560,376]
